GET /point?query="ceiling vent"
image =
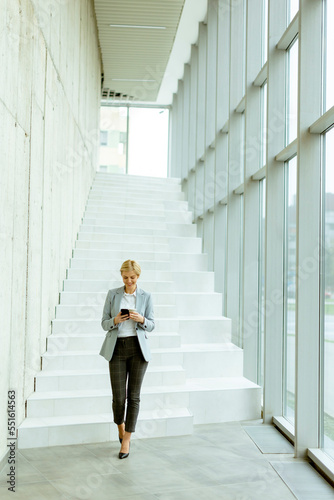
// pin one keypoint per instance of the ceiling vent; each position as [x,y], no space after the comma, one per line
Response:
[112,95]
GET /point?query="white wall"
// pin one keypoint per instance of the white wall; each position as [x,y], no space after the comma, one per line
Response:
[49,130]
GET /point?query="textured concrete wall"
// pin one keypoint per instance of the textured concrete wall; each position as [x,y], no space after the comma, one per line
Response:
[49,112]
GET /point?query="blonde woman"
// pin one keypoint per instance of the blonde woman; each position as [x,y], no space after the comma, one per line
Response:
[126,348]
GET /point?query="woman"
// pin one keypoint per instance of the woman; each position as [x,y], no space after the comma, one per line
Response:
[126,348]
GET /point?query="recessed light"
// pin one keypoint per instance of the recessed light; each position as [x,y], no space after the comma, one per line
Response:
[137,27]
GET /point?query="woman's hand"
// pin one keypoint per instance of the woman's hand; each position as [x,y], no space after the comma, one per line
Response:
[137,317]
[120,319]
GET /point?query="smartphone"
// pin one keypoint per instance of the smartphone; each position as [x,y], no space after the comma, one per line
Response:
[125,311]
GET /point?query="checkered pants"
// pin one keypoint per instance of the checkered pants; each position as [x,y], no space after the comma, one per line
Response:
[127,368]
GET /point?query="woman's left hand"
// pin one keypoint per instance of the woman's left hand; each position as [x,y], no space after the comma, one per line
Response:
[137,317]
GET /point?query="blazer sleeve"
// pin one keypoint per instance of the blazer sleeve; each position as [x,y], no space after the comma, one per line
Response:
[148,325]
[107,321]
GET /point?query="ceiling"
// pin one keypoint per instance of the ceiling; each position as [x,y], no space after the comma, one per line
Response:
[135,59]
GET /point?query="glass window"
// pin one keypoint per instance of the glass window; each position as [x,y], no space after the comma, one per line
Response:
[113,125]
[261,281]
[104,138]
[225,260]
[263,158]
[141,150]
[244,47]
[264,30]
[328,54]
[148,141]
[328,298]
[292,92]
[293,7]
[241,268]
[289,289]
[242,147]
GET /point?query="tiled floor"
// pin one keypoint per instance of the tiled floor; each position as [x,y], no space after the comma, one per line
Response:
[218,461]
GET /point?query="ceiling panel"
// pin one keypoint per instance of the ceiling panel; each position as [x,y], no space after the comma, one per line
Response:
[139,55]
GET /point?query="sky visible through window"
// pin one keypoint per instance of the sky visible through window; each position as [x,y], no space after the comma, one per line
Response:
[329,59]
[148,141]
[139,143]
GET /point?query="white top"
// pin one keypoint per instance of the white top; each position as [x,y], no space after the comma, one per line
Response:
[128,327]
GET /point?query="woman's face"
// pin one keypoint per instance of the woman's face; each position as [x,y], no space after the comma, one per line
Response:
[129,279]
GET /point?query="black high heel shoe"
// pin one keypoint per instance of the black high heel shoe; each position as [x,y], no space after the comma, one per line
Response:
[124,455]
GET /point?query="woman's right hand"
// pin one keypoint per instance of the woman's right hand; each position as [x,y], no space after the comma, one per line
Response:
[119,318]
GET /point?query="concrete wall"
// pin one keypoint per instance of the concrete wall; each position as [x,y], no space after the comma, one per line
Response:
[49,133]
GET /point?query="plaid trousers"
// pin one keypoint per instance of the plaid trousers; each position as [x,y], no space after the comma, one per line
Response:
[127,368]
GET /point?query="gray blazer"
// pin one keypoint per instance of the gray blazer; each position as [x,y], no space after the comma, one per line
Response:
[112,307]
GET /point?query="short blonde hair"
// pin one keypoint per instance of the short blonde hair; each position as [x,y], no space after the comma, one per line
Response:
[130,265]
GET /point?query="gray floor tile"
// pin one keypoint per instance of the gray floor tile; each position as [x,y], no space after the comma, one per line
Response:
[25,472]
[141,460]
[74,467]
[241,471]
[198,476]
[101,487]
[254,491]
[52,452]
[155,480]
[33,491]
[190,494]
[218,461]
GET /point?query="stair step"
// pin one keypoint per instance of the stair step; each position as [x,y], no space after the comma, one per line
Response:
[138,214]
[78,402]
[85,342]
[132,194]
[142,256]
[123,187]
[151,220]
[170,229]
[184,281]
[98,298]
[185,324]
[81,285]
[103,241]
[121,238]
[115,254]
[125,223]
[159,298]
[198,394]
[121,215]
[108,264]
[204,360]
[184,303]
[100,211]
[79,311]
[77,380]
[135,179]
[186,262]
[98,428]
[225,399]
[111,203]
[116,246]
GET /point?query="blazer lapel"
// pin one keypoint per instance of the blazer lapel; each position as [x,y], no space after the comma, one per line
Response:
[118,298]
[139,300]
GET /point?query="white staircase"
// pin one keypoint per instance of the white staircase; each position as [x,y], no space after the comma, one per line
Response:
[196,373]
